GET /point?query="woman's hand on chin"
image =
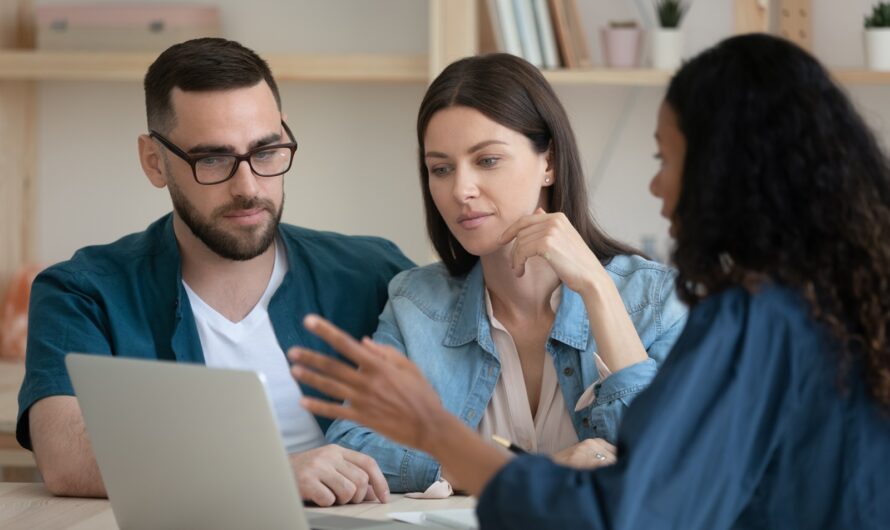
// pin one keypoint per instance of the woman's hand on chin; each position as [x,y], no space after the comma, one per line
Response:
[551,236]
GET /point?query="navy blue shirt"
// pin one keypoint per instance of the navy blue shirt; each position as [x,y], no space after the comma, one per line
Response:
[745,426]
[127,299]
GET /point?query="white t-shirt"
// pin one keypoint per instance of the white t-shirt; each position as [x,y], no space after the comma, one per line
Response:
[251,345]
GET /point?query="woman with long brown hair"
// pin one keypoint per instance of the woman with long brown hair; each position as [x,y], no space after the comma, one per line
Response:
[535,326]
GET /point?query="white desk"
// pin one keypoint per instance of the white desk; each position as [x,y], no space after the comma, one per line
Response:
[28,506]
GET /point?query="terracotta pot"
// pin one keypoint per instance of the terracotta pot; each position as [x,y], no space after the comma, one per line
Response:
[14,316]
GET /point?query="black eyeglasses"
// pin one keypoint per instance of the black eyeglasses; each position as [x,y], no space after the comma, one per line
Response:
[214,168]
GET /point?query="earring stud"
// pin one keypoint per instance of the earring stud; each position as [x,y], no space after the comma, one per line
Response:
[547,180]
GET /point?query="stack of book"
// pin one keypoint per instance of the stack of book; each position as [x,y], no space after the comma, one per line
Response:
[546,33]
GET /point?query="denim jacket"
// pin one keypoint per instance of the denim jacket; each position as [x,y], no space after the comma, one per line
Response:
[440,323]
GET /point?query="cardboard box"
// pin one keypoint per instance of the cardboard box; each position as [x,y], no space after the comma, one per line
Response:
[134,27]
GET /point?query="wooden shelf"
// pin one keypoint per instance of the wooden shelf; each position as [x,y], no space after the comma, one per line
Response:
[651,77]
[609,76]
[357,68]
[125,66]
[861,77]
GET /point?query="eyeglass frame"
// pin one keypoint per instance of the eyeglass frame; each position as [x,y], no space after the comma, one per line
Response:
[193,160]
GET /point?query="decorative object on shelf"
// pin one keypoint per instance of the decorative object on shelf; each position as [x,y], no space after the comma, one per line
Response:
[122,27]
[877,37]
[667,39]
[621,44]
[14,316]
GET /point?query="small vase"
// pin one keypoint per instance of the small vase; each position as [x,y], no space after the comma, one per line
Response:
[621,46]
[877,48]
[667,48]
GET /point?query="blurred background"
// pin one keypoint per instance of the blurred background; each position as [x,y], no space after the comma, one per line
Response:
[355,171]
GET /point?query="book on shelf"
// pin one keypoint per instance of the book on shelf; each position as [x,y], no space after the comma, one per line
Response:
[576,30]
[545,33]
[528,32]
[505,18]
[564,42]
[490,37]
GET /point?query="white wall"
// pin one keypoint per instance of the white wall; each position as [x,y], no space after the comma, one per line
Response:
[355,171]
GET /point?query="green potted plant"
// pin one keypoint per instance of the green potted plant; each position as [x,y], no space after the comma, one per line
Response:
[667,39]
[877,37]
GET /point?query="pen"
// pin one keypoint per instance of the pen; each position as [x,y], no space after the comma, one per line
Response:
[508,444]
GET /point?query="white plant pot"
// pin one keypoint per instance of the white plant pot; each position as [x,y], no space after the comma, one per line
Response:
[667,48]
[877,48]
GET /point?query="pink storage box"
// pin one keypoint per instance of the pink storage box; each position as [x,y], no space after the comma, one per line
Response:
[134,27]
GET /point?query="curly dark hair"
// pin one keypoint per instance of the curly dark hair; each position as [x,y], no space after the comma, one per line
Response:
[783,180]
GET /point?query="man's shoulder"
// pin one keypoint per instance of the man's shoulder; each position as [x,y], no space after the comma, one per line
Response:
[123,256]
[324,245]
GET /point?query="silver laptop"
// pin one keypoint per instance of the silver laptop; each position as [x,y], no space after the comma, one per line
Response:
[186,446]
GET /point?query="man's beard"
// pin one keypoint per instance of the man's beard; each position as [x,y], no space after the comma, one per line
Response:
[245,244]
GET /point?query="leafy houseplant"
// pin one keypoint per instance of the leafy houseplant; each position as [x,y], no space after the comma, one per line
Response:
[667,39]
[670,12]
[877,37]
[879,17]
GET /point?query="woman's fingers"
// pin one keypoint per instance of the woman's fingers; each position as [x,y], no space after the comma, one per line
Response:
[327,385]
[330,409]
[326,365]
[523,222]
[528,246]
[338,339]
[386,353]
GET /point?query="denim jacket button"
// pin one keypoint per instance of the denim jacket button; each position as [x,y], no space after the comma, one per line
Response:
[569,371]
[586,422]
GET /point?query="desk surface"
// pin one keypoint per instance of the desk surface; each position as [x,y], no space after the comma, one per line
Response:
[11,375]
[24,505]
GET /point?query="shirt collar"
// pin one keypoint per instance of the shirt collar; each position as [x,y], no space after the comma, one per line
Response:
[469,319]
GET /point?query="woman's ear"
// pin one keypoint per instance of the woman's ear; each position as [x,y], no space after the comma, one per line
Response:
[549,173]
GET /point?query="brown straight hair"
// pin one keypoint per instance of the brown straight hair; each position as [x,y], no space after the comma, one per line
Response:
[513,93]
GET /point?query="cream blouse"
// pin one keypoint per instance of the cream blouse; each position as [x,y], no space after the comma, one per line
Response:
[508,414]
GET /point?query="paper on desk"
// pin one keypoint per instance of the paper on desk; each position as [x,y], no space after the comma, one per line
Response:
[440,489]
[408,517]
[464,518]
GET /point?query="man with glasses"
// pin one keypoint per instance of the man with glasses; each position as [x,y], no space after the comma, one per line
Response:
[217,281]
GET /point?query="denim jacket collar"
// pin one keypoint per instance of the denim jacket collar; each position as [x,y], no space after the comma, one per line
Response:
[469,320]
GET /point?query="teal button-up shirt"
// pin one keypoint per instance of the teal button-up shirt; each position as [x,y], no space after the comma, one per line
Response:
[127,298]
